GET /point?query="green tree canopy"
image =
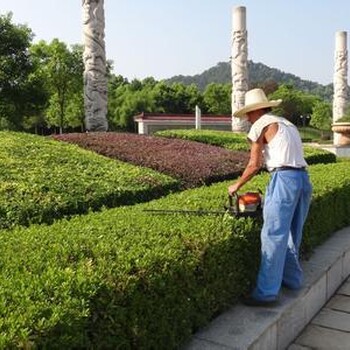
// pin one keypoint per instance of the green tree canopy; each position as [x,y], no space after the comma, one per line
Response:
[217,98]
[176,98]
[295,103]
[62,70]
[125,102]
[129,99]
[321,117]
[21,93]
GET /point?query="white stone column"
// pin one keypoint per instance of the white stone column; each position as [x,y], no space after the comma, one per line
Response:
[198,118]
[95,77]
[239,65]
[340,80]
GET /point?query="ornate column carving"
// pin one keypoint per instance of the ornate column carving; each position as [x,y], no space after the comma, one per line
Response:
[239,65]
[95,78]
[340,84]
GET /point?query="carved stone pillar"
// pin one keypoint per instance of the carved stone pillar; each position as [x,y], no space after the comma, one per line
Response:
[340,84]
[239,65]
[95,78]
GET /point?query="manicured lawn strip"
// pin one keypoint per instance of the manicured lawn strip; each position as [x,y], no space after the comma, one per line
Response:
[42,180]
[127,279]
[193,163]
[238,142]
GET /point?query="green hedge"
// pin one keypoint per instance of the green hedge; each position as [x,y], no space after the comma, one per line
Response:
[226,139]
[318,156]
[127,279]
[238,142]
[42,180]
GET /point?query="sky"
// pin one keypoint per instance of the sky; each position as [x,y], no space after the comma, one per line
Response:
[163,38]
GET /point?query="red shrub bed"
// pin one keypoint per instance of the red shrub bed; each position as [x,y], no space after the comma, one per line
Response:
[192,162]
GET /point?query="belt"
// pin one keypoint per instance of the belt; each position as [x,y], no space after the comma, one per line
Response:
[282,168]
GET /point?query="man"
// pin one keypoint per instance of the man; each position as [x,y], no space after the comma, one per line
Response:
[287,197]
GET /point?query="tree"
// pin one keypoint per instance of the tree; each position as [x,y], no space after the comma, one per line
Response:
[127,100]
[295,103]
[269,86]
[75,111]
[21,93]
[217,98]
[62,68]
[176,98]
[321,117]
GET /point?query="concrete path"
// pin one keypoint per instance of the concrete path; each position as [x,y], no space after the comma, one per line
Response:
[330,329]
[316,317]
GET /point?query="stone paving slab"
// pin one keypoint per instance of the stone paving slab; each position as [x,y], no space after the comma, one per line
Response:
[322,338]
[299,347]
[339,302]
[339,241]
[198,344]
[236,328]
[274,328]
[345,289]
[333,319]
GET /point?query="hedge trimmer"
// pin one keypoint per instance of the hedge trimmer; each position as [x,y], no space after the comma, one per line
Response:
[248,204]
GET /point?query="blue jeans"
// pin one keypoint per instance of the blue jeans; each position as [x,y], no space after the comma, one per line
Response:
[286,206]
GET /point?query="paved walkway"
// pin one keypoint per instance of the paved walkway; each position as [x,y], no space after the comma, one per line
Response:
[316,317]
[330,329]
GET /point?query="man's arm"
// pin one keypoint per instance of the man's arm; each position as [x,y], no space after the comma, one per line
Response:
[253,166]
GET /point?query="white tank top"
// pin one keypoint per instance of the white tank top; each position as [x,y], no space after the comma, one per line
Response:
[285,149]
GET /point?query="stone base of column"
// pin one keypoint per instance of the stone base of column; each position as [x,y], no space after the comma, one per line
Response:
[341,139]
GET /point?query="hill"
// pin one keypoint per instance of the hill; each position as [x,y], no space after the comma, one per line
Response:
[259,73]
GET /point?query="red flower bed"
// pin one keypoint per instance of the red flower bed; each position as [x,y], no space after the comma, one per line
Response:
[193,162]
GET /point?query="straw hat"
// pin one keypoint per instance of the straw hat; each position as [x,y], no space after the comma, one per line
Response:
[255,99]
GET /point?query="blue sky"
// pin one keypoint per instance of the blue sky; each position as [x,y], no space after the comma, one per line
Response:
[162,38]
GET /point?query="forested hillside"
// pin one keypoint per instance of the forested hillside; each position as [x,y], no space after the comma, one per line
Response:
[259,74]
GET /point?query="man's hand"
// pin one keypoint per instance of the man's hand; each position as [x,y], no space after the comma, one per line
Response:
[233,189]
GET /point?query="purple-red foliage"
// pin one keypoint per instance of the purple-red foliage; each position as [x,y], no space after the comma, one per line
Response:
[192,162]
